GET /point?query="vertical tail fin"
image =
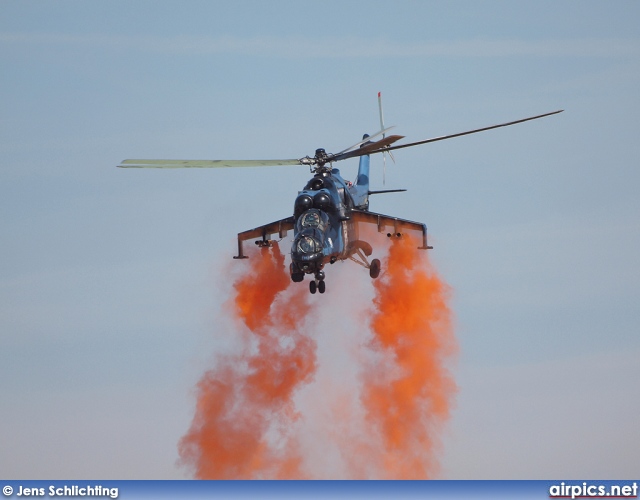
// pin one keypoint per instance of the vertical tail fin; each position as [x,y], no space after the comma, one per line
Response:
[363,169]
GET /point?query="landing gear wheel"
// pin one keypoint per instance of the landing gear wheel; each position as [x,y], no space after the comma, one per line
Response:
[296,275]
[374,268]
[312,287]
[321,287]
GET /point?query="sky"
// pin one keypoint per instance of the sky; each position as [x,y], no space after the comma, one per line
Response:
[111,280]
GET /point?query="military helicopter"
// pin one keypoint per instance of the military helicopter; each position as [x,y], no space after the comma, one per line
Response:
[329,211]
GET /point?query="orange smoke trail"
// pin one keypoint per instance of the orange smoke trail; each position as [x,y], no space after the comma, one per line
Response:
[384,425]
[244,411]
[407,400]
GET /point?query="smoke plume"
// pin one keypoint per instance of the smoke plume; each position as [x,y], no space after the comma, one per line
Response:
[407,403]
[244,404]
[266,411]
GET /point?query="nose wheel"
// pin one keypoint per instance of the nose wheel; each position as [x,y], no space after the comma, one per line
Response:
[318,284]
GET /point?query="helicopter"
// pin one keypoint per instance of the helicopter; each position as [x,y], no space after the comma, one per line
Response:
[329,211]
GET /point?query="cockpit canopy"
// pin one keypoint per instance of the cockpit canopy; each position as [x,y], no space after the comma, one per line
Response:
[312,218]
[308,245]
[310,234]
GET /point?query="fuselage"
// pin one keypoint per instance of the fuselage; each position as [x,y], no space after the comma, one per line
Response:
[323,230]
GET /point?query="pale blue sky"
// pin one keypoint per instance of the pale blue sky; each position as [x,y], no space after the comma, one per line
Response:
[109,297]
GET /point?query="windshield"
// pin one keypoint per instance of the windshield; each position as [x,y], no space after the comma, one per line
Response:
[313,218]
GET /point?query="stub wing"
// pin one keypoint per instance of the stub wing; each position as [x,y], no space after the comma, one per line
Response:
[279,227]
[391,225]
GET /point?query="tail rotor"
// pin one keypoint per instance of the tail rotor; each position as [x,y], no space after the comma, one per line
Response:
[384,153]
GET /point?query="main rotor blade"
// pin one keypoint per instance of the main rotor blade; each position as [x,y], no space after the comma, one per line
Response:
[442,138]
[369,149]
[381,146]
[366,139]
[374,147]
[205,163]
